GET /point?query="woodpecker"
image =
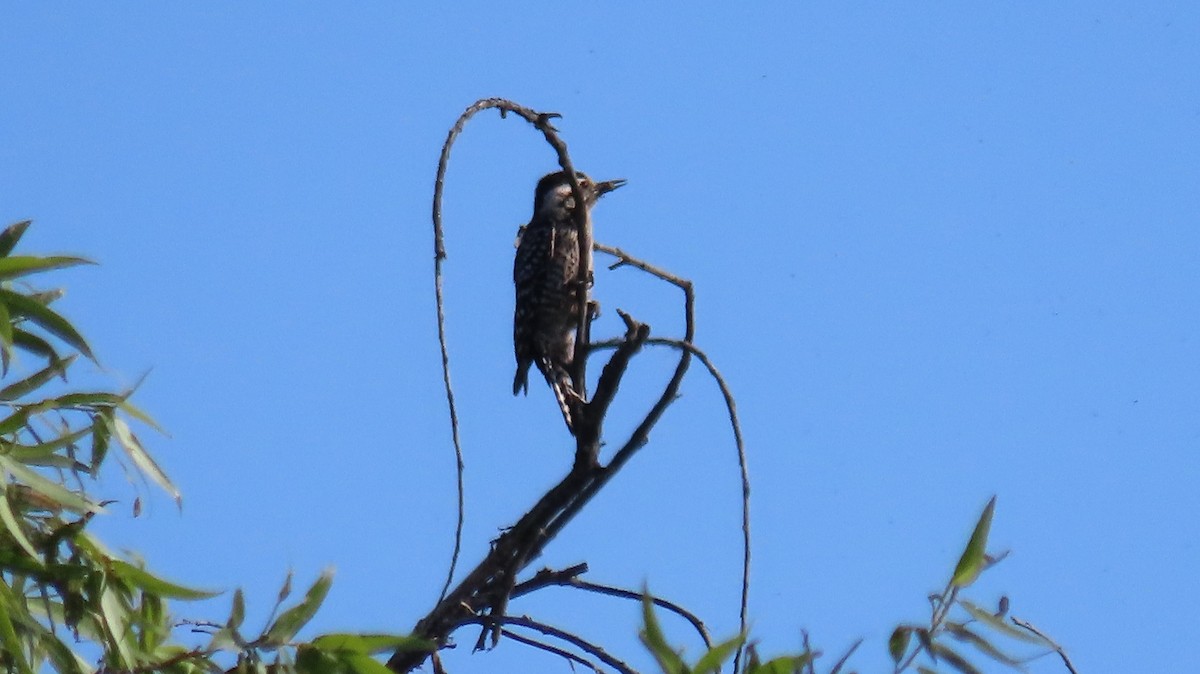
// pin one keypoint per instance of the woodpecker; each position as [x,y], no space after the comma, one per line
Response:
[545,275]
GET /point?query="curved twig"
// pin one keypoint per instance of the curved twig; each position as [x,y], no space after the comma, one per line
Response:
[542,122]
[735,424]
[1057,649]
[550,648]
[552,631]
[569,577]
[687,346]
[842,661]
[483,592]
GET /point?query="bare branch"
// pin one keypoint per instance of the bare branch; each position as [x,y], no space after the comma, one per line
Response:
[842,661]
[483,594]
[1057,649]
[735,424]
[568,655]
[569,577]
[542,122]
[688,348]
[551,631]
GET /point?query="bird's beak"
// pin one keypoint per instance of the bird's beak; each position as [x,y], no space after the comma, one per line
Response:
[608,186]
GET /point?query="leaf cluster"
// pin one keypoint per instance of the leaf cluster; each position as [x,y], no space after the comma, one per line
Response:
[955,622]
[63,595]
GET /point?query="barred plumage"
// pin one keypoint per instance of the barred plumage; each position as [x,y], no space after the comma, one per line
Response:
[547,294]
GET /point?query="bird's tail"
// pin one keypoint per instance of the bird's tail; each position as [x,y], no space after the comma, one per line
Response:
[560,382]
[521,381]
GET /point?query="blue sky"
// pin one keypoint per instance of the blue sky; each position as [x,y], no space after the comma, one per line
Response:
[941,253]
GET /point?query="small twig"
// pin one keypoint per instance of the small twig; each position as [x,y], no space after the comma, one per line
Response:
[551,631]
[1057,649]
[549,577]
[689,348]
[812,656]
[731,408]
[549,648]
[438,668]
[569,577]
[941,609]
[840,663]
[658,601]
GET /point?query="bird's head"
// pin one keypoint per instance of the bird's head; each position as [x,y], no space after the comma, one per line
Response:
[553,193]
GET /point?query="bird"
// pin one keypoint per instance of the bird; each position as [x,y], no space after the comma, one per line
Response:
[545,275]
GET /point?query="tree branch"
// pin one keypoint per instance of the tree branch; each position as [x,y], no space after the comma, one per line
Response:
[551,631]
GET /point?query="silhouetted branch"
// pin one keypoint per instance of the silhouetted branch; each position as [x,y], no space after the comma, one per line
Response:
[551,631]
[569,577]
[735,424]
[688,349]
[482,596]
[1057,649]
[842,661]
[555,650]
[542,122]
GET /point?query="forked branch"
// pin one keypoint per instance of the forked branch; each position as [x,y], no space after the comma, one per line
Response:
[482,596]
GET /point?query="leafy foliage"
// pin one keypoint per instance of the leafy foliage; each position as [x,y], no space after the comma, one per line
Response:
[64,595]
[976,628]
[62,592]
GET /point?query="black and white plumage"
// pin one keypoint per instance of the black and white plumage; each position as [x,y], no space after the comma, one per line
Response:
[545,275]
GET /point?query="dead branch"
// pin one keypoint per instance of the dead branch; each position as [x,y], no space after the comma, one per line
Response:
[569,577]
[688,348]
[542,122]
[482,596]
[1057,649]
[551,631]
[552,649]
[735,424]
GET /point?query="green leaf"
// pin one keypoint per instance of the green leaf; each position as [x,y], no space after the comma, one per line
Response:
[33,343]
[32,453]
[101,433]
[114,615]
[139,414]
[15,266]
[11,235]
[142,459]
[51,490]
[6,334]
[87,399]
[148,582]
[237,614]
[13,525]
[950,657]
[311,660]
[292,620]
[975,555]
[48,319]
[787,664]
[710,662]
[64,660]
[652,636]
[898,642]
[1001,625]
[358,663]
[35,381]
[371,644]
[962,633]
[11,605]
[15,421]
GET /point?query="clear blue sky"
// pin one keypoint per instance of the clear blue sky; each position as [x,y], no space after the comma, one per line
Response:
[941,253]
